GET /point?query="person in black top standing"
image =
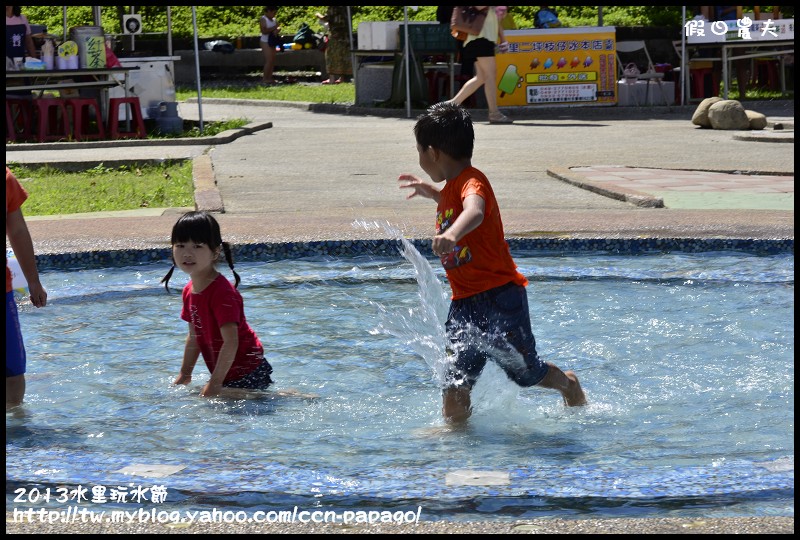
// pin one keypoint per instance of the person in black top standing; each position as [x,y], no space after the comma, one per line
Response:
[19,42]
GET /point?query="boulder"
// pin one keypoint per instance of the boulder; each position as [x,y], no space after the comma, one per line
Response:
[757,120]
[728,114]
[700,116]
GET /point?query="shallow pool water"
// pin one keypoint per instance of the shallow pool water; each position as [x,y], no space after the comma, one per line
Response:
[686,359]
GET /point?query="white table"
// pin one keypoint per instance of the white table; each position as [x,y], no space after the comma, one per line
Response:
[636,94]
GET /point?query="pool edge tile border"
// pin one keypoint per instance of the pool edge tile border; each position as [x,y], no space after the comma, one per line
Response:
[390,248]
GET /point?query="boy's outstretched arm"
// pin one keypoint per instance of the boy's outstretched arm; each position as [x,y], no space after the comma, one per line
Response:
[469,220]
[419,186]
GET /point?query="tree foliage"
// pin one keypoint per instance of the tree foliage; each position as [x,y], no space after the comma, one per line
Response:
[230,22]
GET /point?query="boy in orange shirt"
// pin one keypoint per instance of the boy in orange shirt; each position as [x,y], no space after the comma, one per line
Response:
[489,308]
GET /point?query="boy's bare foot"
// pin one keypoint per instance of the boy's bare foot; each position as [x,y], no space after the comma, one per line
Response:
[574,396]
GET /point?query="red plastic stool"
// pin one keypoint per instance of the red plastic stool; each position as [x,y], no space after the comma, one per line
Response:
[766,73]
[81,119]
[135,115]
[19,119]
[698,81]
[436,86]
[443,85]
[432,94]
[52,119]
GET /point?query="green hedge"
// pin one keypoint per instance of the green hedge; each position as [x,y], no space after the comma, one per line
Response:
[231,22]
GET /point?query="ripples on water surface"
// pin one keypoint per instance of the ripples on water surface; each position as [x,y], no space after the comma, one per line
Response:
[686,359]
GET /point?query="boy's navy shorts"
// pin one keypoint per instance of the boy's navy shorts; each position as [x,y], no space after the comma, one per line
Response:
[493,325]
[258,379]
[15,348]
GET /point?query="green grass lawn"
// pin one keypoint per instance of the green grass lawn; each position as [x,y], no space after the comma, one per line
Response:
[311,93]
[54,191]
[192,129]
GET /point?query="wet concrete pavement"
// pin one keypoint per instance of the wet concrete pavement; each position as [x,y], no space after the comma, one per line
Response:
[303,175]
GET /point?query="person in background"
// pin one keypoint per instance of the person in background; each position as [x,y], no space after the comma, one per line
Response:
[270,39]
[338,63]
[506,19]
[776,13]
[488,317]
[444,14]
[20,240]
[481,48]
[19,42]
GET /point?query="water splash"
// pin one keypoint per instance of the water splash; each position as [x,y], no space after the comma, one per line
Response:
[422,327]
[495,398]
[423,330]
[432,313]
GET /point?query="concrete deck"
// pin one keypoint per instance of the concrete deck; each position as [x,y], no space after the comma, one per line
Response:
[308,175]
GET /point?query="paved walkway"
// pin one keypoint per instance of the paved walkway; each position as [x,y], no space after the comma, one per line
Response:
[675,188]
[301,175]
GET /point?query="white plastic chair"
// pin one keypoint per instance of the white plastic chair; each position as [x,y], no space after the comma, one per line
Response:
[636,52]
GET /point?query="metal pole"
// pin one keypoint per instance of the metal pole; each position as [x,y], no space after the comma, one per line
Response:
[197,68]
[408,69]
[352,49]
[132,38]
[725,73]
[169,31]
[684,72]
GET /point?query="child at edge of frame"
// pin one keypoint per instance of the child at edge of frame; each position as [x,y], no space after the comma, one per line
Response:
[489,302]
[19,237]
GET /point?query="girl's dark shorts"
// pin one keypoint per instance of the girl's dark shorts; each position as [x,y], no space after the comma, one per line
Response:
[493,325]
[259,379]
[478,48]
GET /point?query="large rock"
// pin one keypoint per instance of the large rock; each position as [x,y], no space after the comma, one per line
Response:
[700,116]
[757,120]
[728,114]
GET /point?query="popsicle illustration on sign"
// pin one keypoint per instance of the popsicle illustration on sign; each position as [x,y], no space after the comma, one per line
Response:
[510,81]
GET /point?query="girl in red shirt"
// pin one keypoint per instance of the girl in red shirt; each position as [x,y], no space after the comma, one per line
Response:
[214,310]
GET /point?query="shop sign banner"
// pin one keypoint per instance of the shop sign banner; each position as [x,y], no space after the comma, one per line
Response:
[561,66]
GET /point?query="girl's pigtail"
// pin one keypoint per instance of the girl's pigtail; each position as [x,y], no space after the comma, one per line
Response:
[228,257]
[165,279]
